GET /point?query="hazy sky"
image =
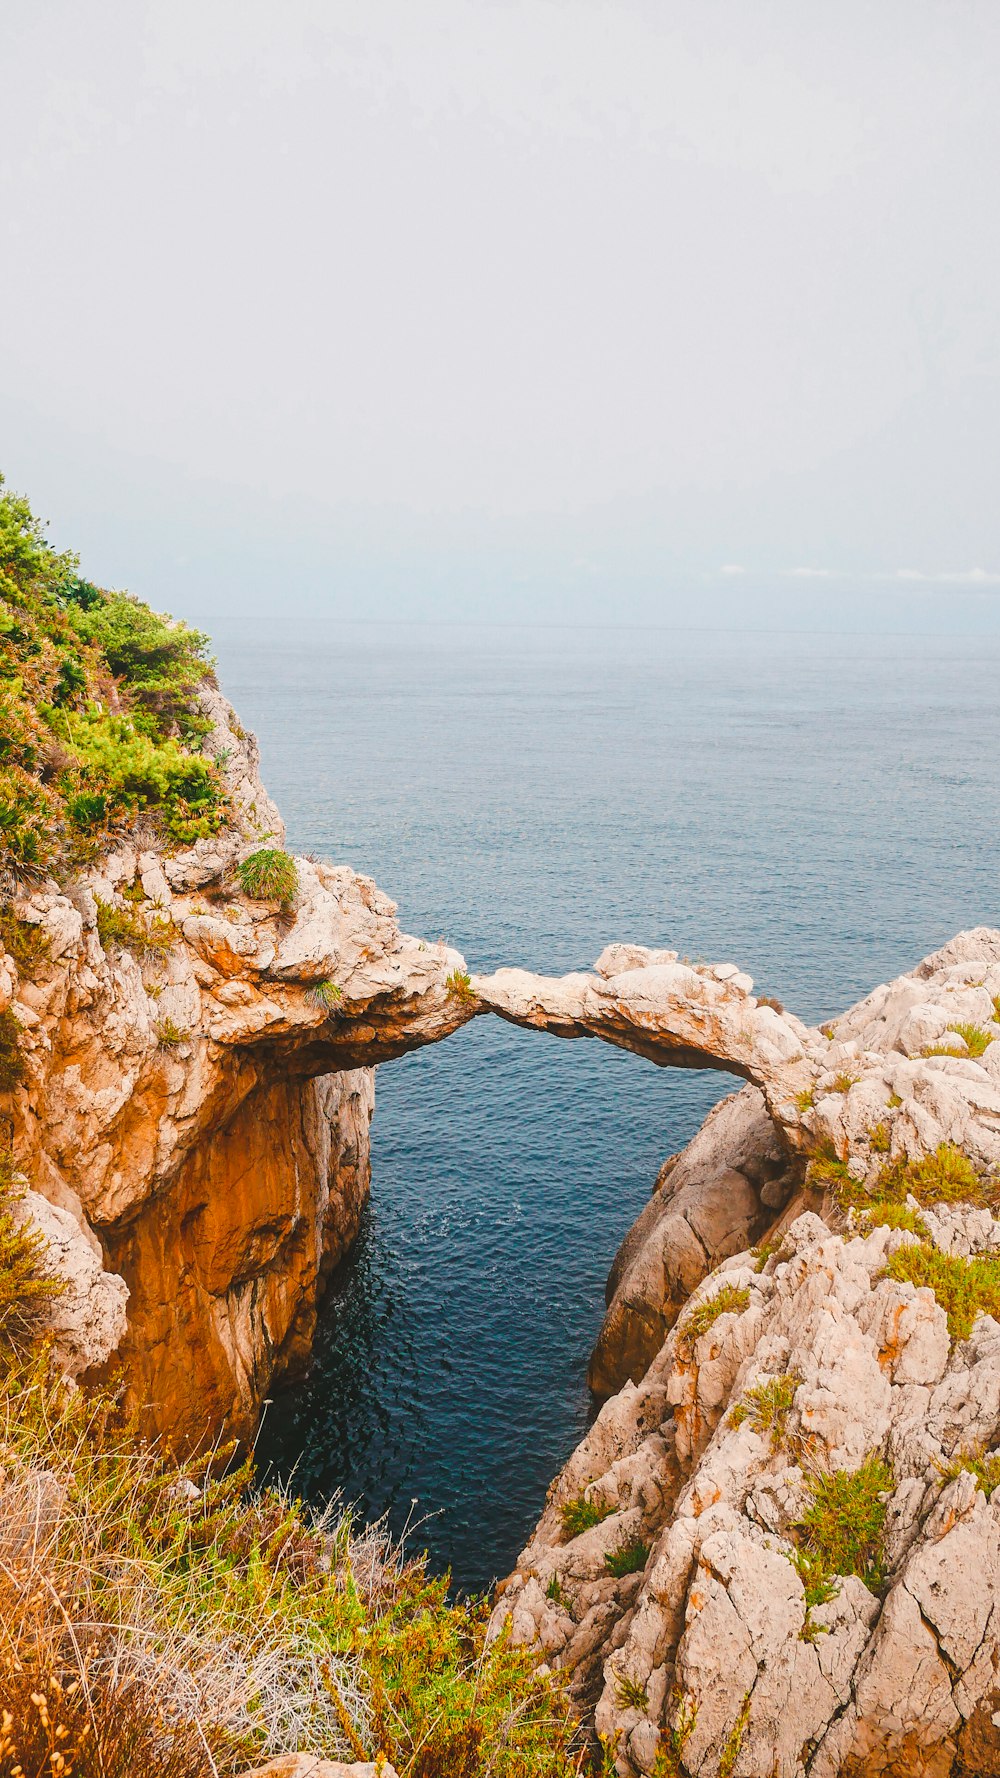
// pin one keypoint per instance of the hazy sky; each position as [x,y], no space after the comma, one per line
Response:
[508,307]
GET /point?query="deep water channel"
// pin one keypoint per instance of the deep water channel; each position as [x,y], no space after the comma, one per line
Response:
[820,811]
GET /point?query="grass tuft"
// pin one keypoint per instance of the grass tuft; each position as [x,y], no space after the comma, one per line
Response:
[268,875]
[879,1139]
[730,1299]
[27,943]
[169,1034]
[628,1558]
[459,986]
[805,1100]
[326,995]
[843,1083]
[767,1407]
[983,1464]
[965,1288]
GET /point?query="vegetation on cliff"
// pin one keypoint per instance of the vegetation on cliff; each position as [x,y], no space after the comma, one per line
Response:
[174,1619]
[98,710]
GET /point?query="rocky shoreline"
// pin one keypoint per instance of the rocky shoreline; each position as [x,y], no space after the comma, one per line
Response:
[806,1297]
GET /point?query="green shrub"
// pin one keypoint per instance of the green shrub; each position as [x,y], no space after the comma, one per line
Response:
[729,1299]
[98,710]
[882,1213]
[629,1558]
[556,1592]
[12,1063]
[268,875]
[144,938]
[767,1407]
[975,1038]
[879,1139]
[843,1525]
[629,1694]
[764,1251]
[459,986]
[169,1034]
[964,1288]
[805,1100]
[581,1514]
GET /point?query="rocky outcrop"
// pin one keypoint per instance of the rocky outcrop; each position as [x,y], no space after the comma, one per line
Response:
[197,1095]
[675,1574]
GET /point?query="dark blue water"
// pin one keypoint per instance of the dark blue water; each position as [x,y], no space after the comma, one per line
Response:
[823,810]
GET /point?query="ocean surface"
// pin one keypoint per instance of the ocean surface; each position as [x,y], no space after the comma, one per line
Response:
[823,810]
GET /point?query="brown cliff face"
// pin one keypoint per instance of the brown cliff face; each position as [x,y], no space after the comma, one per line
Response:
[201,1106]
[225,1270]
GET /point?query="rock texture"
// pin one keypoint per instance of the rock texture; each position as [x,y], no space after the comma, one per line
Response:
[704,1658]
[200,1112]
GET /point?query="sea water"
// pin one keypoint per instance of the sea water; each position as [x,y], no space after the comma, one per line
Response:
[823,810]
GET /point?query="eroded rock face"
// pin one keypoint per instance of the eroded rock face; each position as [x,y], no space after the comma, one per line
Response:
[202,1113]
[705,1656]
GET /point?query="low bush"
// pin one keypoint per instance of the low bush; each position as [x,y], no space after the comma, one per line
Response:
[27,943]
[842,1528]
[629,1558]
[459,986]
[169,1034]
[268,875]
[964,1288]
[580,1514]
[983,1464]
[25,1289]
[120,928]
[99,717]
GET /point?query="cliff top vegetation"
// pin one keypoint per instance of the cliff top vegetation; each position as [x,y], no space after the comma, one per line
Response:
[99,718]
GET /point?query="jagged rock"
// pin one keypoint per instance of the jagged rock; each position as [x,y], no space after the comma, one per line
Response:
[202,1114]
[87,1318]
[707,1205]
[714,1632]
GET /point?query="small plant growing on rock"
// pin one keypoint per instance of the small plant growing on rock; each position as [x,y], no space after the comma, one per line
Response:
[25,1290]
[894,1101]
[27,943]
[843,1525]
[12,1064]
[556,1592]
[769,1000]
[674,1738]
[976,1041]
[965,1288]
[767,1407]
[843,1083]
[734,1740]
[459,986]
[326,995]
[128,932]
[629,1694]
[730,1299]
[268,875]
[581,1514]
[881,1213]
[628,1558]
[169,1034]
[879,1138]
[805,1100]
[983,1464]
[764,1251]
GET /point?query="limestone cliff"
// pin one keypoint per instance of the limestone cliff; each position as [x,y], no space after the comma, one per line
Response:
[197,1096]
[777,1550]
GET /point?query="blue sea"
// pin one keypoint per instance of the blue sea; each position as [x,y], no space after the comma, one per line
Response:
[821,809]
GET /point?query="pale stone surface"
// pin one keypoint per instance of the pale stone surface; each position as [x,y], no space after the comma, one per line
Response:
[711,1630]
